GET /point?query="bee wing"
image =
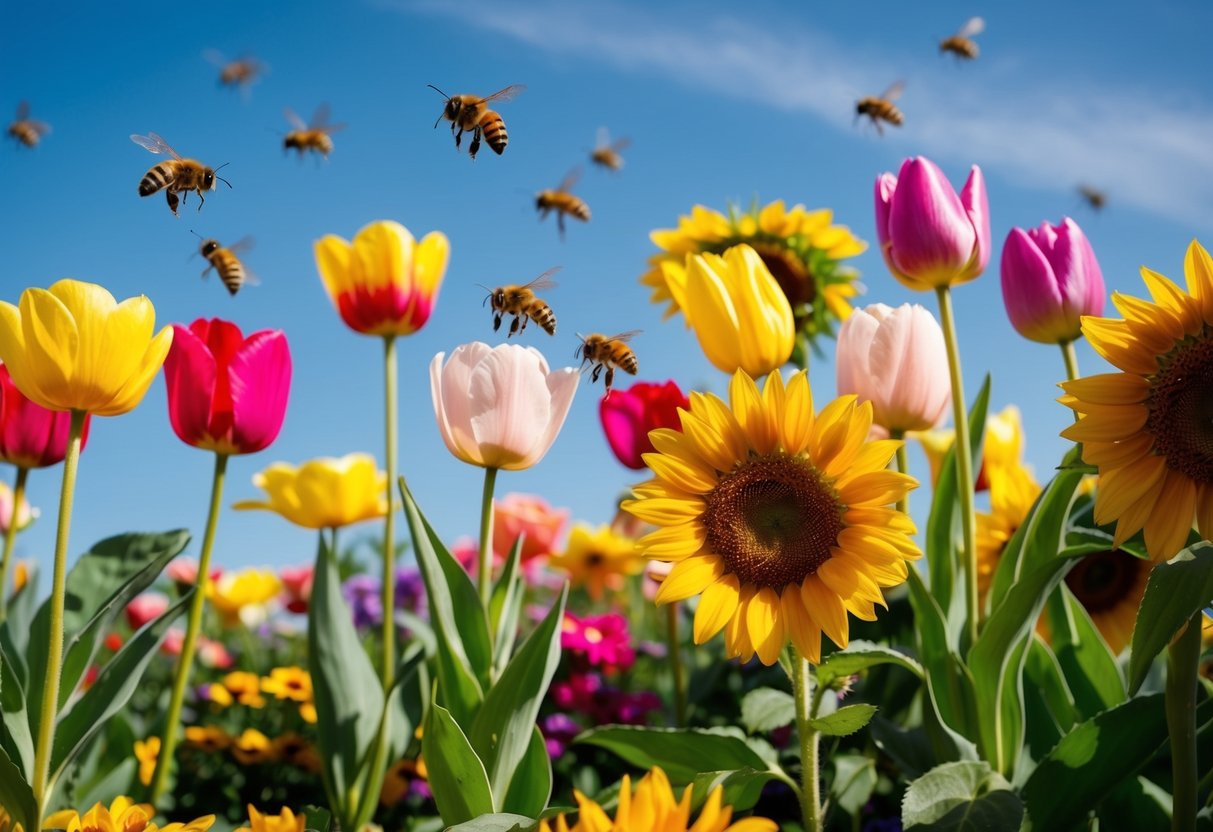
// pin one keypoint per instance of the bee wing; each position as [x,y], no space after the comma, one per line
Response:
[894,91]
[293,118]
[973,26]
[625,336]
[333,128]
[215,57]
[244,244]
[321,117]
[40,127]
[154,144]
[23,111]
[544,280]
[621,144]
[604,138]
[508,94]
[570,179]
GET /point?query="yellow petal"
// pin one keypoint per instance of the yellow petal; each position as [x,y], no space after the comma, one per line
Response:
[765,625]
[1198,269]
[1107,422]
[797,425]
[133,391]
[752,415]
[826,609]
[666,512]
[689,478]
[876,488]
[673,542]
[799,624]
[51,343]
[1109,388]
[1168,526]
[1121,488]
[717,606]
[690,576]
[334,256]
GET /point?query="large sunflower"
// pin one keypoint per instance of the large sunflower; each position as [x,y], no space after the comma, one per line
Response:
[802,250]
[1110,586]
[782,521]
[1149,428]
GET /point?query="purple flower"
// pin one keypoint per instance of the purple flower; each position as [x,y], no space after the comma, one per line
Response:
[362,594]
[558,731]
[410,590]
[1050,279]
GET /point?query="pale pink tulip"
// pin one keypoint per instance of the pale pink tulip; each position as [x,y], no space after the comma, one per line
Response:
[896,359]
[500,407]
[143,608]
[25,514]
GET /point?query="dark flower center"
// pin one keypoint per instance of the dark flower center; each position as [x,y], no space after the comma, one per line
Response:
[1181,408]
[773,521]
[1105,579]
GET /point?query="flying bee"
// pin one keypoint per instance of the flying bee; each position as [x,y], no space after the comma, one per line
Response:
[562,202]
[1094,197]
[224,261]
[311,137]
[962,44]
[239,73]
[606,154]
[28,131]
[471,113]
[520,301]
[609,353]
[176,175]
[880,108]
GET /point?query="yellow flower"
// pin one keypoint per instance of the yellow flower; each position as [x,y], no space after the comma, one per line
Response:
[73,347]
[146,752]
[323,493]
[252,746]
[397,779]
[652,807]
[243,687]
[1148,428]
[307,711]
[781,521]
[1013,490]
[1110,586]
[210,738]
[801,249]
[384,282]
[1002,446]
[286,821]
[739,315]
[598,559]
[196,825]
[236,591]
[122,815]
[288,683]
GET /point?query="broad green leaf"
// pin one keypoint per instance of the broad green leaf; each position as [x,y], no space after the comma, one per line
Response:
[86,715]
[505,606]
[1176,591]
[949,683]
[742,787]
[844,721]
[861,655]
[682,753]
[531,785]
[1090,669]
[505,723]
[456,775]
[21,609]
[473,629]
[1136,804]
[1048,705]
[317,818]
[765,709]
[501,822]
[910,748]
[16,796]
[854,779]
[459,685]
[15,738]
[965,796]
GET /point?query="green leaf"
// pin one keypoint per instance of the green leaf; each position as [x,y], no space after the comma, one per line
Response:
[21,609]
[844,721]
[949,683]
[501,822]
[459,685]
[861,655]
[742,787]
[85,716]
[16,796]
[854,780]
[15,738]
[1136,804]
[531,785]
[682,753]
[1090,669]
[765,709]
[505,606]
[1175,592]
[910,749]
[965,796]
[504,725]
[456,775]
[1048,705]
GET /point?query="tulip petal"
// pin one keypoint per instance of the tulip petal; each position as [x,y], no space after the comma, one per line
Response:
[189,377]
[510,406]
[260,379]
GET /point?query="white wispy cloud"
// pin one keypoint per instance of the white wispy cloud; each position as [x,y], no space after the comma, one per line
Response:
[1151,151]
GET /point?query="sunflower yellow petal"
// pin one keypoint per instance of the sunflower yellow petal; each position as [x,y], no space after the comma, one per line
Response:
[876,488]
[1109,388]
[1170,523]
[799,625]
[826,609]
[1121,488]
[690,576]
[717,606]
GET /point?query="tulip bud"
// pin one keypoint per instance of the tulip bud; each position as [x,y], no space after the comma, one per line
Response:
[30,435]
[628,416]
[1050,279]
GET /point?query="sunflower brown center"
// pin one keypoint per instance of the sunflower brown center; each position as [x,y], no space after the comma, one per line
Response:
[1104,579]
[1181,409]
[773,521]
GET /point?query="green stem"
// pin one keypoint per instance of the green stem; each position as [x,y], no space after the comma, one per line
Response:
[10,538]
[806,707]
[54,658]
[185,662]
[1183,665]
[903,466]
[1070,356]
[389,522]
[964,464]
[485,564]
[680,681]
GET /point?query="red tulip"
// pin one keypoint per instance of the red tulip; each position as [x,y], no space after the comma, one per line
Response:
[628,416]
[227,393]
[296,587]
[30,435]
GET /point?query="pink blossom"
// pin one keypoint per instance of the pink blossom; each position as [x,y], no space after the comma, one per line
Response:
[1050,279]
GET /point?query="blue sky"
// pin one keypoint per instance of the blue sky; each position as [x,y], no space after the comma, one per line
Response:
[722,103]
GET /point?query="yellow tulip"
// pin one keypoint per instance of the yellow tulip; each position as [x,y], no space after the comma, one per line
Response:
[323,493]
[742,318]
[73,347]
[248,589]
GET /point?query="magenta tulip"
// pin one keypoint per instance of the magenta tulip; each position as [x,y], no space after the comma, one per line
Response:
[929,236]
[628,415]
[1050,279]
[227,393]
[30,435]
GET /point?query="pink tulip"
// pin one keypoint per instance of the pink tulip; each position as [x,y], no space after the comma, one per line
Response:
[227,393]
[929,236]
[25,515]
[897,360]
[628,416]
[530,516]
[143,608]
[500,407]
[1050,279]
[30,435]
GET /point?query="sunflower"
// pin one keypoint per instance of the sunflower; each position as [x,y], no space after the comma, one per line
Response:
[1001,445]
[1110,586]
[1148,428]
[653,807]
[1013,490]
[802,249]
[780,520]
[598,559]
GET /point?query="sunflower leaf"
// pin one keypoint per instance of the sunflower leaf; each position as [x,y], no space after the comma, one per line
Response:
[681,753]
[1090,669]
[742,787]
[765,709]
[1176,591]
[860,655]
[962,797]
[844,721]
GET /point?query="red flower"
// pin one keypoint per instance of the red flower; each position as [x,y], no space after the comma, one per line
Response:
[30,435]
[628,416]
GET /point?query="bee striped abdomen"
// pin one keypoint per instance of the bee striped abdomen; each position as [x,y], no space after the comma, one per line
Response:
[580,210]
[493,128]
[24,133]
[231,270]
[156,178]
[545,317]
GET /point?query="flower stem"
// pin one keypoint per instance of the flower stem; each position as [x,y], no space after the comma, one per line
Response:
[484,568]
[388,670]
[680,681]
[964,464]
[185,662]
[54,658]
[1070,356]
[810,779]
[1183,664]
[903,466]
[10,538]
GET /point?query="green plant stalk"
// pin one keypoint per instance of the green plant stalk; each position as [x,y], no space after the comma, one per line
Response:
[389,522]
[676,668]
[10,539]
[1183,665]
[484,568]
[964,464]
[903,466]
[1070,356]
[810,775]
[54,659]
[189,646]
